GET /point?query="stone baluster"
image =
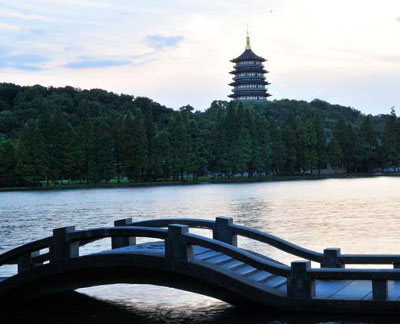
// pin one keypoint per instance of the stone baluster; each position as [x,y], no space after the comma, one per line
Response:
[176,247]
[26,262]
[332,259]
[222,231]
[61,248]
[118,242]
[299,284]
[379,289]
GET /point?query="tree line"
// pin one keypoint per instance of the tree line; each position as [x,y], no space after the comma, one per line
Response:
[66,134]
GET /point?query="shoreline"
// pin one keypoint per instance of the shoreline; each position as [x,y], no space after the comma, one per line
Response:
[199,182]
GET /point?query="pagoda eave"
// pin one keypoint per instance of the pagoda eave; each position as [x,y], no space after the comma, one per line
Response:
[235,83]
[248,70]
[243,95]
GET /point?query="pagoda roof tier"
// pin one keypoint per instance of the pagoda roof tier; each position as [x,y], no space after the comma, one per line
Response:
[248,69]
[248,55]
[248,77]
[250,92]
[236,95]
[249,81]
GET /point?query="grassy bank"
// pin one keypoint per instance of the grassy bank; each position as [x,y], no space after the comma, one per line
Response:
[202,180]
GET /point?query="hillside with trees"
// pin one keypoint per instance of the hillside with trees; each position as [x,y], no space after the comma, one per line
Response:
[57,135]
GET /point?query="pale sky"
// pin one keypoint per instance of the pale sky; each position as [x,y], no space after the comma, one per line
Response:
[177,52]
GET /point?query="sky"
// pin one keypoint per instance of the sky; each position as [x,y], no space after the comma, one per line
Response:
[178,52]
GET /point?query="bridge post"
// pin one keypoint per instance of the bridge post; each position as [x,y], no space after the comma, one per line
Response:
[299,284]
[26,261]
[61,248]
[379,289]
[117,242]
[176,247]
[331,258]
[222,232]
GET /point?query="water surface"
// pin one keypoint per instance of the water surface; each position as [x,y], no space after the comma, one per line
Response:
[358,215]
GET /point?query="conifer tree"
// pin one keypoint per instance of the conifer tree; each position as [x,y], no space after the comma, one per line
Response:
[278,152]
[390,138]
[151,172]
[321,150]
[61,144]
[32,157]
[219,147]
[117,135]
[101,163]
[178,140]
[369,144]
[8,162]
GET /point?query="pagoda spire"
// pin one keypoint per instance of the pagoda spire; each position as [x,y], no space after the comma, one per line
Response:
[248,39]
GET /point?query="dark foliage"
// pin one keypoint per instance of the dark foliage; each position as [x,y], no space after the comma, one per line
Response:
[63,134]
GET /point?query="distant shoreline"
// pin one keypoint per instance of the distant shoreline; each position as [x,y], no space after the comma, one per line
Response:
[198,182]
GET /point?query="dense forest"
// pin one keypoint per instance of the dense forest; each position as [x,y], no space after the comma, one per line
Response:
[56,135]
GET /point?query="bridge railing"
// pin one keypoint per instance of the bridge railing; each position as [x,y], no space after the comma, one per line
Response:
[226,231]
[302,279]
[179,243]
[66,241]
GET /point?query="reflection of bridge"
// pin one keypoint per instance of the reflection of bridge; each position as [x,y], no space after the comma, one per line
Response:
[215,267]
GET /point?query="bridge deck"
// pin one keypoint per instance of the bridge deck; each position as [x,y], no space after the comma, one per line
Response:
[324,289]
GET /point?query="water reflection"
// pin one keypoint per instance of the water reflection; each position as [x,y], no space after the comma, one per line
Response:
[79,308]
[358,215]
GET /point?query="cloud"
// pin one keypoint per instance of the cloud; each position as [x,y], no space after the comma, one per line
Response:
[90,63]
[159,42]
[398,18]
[10,27]
[25,62]
[24,16]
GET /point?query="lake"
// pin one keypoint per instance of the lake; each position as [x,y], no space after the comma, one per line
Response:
[357,215]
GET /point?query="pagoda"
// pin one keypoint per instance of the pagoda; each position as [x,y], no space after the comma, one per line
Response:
[249,80]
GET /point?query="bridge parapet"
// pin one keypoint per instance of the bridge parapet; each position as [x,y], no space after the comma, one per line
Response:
[65,242]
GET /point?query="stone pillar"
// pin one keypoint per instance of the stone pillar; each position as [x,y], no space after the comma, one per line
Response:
[118,242]
[299,284]
[379,289]
[331,258]
[26,261]
[176,247]
[61,248]
[222,232]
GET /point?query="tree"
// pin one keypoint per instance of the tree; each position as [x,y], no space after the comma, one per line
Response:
[278,152]
[82,150]
[134,149]
[151,172]
[390,140]
[196,149]
[219,149]
[265,145]
[339,145]
[233,126]
[321,149]
[101,163]
[163,153]
[8,161]
[117,136]
[369,144]
[32,157]
[60,147]
[179,148]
